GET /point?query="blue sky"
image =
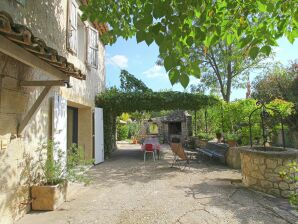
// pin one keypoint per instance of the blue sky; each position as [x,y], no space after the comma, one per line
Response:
[139,60]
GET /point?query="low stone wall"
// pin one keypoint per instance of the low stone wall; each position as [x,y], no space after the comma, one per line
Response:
[233,158]
[260,170]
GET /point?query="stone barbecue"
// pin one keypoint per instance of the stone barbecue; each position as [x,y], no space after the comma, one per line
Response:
[177,126]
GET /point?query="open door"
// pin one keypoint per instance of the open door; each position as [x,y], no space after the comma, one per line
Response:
[98,136]
[59,126]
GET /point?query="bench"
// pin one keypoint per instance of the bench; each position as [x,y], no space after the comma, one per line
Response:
[216,150]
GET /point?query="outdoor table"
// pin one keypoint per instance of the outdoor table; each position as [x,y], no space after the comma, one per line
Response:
[155,143]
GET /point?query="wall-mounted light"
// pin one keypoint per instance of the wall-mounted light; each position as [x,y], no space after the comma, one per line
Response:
[67,84]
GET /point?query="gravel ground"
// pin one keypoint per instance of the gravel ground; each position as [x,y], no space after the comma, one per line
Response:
[127,190]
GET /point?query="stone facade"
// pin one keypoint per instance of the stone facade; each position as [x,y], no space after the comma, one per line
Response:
[47,19]
[261,170]
[182,119]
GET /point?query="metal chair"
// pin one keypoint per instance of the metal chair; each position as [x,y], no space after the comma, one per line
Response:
[180,155]
[149,149]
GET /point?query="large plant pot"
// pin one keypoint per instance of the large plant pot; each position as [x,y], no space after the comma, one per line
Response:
[232,143]
[202,143]
[48,197]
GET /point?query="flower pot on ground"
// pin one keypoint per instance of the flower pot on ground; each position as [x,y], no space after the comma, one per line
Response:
[48,197]
[219,136]
[53,175]
[203,139]
[232,139]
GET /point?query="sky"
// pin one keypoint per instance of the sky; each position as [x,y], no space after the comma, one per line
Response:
[140,60]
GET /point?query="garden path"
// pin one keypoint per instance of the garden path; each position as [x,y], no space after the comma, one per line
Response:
[125,190]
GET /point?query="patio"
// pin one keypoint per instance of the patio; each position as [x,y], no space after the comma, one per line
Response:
[125,190]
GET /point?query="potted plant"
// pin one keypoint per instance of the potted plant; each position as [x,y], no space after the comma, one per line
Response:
[219,135]
[232,139]
[53,174]
[203,139]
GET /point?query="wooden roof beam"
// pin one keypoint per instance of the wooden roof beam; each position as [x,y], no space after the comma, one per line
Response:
[13,50]
[44,83]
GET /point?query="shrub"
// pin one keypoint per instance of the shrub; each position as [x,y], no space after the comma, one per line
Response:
[122,132]
[291,175]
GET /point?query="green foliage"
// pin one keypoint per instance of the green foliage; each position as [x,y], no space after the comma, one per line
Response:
[55,170]
[224,67]
[233,118]
[153,128]
[279,82]
[290,174]
[231,137]
[179,26]
[122,132]
[129,83]
[205,136]
[133,129]
[114,102]
[119,102]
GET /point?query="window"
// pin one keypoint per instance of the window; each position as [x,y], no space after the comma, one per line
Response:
[92,47]
[73,30]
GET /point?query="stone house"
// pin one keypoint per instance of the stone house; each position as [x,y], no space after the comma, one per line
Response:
[178,124]
[51,68]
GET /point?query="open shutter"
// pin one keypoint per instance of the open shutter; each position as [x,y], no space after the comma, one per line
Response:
[73,27]
[92,47]
[59,126]
[98,136]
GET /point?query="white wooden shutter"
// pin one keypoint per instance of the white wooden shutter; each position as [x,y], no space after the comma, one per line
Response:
[73,27]
[59,126]
[98,136]
[92,47]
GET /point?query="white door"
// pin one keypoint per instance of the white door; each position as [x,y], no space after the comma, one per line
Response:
[98,136]
[59,127]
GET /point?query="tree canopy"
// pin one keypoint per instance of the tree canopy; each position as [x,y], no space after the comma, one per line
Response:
[178,26]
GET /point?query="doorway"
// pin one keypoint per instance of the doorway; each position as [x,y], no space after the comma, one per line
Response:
[72,126]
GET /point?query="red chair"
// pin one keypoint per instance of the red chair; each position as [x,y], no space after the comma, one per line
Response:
[149,149]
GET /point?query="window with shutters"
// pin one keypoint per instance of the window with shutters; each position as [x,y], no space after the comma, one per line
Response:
[92,47]
[73,27]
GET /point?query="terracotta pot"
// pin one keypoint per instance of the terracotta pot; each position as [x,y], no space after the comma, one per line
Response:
[48,197]
[202,143]
[232,143]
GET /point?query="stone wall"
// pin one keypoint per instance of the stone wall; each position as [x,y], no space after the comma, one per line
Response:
[47,19]
[260,171]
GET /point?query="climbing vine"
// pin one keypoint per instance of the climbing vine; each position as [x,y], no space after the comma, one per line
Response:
[134,95]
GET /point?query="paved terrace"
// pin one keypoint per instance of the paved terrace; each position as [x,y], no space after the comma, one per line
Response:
[124,190]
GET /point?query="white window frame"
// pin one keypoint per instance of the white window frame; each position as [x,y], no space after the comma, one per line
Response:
[73,27]
[92,47]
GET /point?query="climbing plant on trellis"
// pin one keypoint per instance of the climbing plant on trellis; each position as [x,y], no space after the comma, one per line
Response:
[116,101]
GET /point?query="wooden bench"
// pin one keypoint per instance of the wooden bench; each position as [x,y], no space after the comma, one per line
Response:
[215,150]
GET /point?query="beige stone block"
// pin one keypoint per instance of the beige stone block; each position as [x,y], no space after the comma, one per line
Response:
[275,185]
[279,161]
[258,160]
[262,168]
[257,174]
[266,184]
[274,192]
[285,193]
[13,101]
[249,181]
[272,177]
[8,124]
[10,83]
[271,163]
[283,186]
